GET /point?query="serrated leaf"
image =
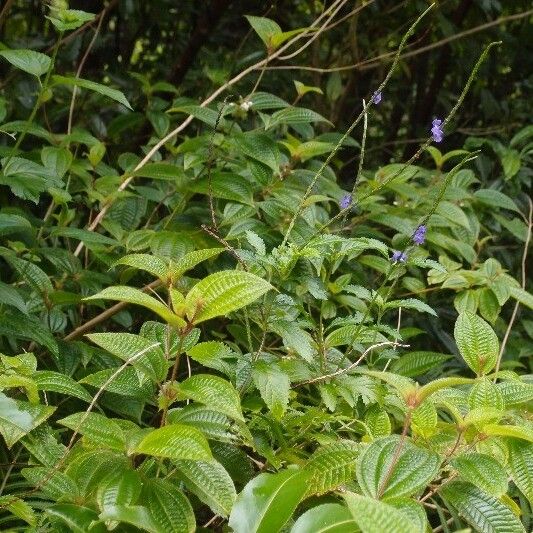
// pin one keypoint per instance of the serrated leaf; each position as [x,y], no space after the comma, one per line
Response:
[210,482]
[33,275]
[294,116]
[190,260]
[120,489]
[55,485]
[414,364]
[29,61]
[267,502]
[13,224]
[483,471]
[325,518]
[144,354]
[114,94]
[76,517]
[481,510]
[331,466]
[373,516]
[522,296]
[223,292]
[485,394]
[521,466]
[273,385]
[260,147]
[176,441]
[214,392]
[48,380]
[168,507]
[495,198]
[212,424]
[414,468]
[18,508]
[410,303]
[515,392]
[525,432]
[18,418]
[126,383]
[477,342]
[377,421]
[97,428]
[147,262]
[131,295]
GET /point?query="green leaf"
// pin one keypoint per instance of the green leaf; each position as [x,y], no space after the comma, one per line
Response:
[135,515]
[265,28]
[97,428]
[413,510]
[13,224]
[522,296]
[49,380]
[69,19]
[273,385]
[410,303]
[54,484]
[114,94]
[223,292]
[168,507]
[483,471]
[144,354]
[477,342]
[267,502]
[131,295]
[210,482]
[214,392]
[494,198]
[294,116]
[225,185]
[190,260]
[212,424]
[87,237]
[18,508]
[485,394]
[331,466]
[519,432]
[123,488]
[260,147]
[18,418]
[521,466]
[515,392]
[29,61]
[483,511]
[373,516]
[377,421]
[176,441]
[126,383]
[414,468]
[326,518]
[414,364]
[30,273]
[147,262]
[77,518]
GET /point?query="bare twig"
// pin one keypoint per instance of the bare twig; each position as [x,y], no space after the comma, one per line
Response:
[517,303]
[353,365]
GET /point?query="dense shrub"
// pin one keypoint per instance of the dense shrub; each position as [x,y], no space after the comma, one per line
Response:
[247,321]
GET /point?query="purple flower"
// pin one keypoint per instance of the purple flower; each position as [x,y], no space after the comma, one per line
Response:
[419,235]
[436,130]
[346,201]
[376,97]
[398,257]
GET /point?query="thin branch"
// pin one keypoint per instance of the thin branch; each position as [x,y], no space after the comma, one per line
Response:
[353,365]
[376,61]
[517,303]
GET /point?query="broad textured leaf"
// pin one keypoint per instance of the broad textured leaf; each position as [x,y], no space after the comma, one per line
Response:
[413,470]
[190,260]
[121,489]
[214,392]
[522,296]
[135,515]
[57,485]
[516,392]
[212,424]
[483,471]
[331,466]
[225,185]
[18,418]
[353,333]
[521,466]
[168,507]
[176,441]
[481,510]
[223,292]
[273,385]
[373,516]
[28,60]
[293,116]
[131,295]
[268,501]
[264,27]
[495,199]
[477,342]
[326,518]
[13,224]
[154,265]
[18,508]
[126,383]
[114,94]
[210,482]
[77,518]
[97,428]
[11,296]
[87,237]
[260,147]
[48,380]
[35,276]
[485,394]
[414,364]
[520,432]
[143,353]
[410,303]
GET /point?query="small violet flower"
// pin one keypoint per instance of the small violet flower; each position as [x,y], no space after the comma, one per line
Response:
[376,97]
[419,235]
[398,257]
[436,130]
[346,201]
